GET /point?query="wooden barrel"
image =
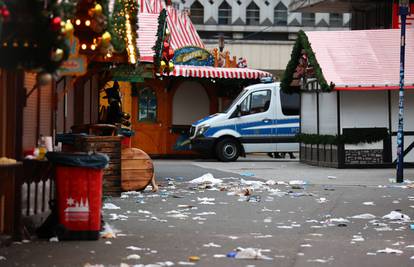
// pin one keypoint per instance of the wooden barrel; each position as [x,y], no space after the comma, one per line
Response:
[137,169]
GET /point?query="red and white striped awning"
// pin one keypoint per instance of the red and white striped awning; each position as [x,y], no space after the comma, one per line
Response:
[217,73]
[147,36]
[183,32]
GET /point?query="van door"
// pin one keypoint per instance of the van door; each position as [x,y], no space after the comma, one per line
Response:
[287,122]
[256,121]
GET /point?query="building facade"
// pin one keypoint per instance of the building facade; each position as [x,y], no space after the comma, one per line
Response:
[262,31]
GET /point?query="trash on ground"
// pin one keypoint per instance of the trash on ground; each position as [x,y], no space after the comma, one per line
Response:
[110,206]
[185,263]
[297,182]
[390,251]
[206,178]
[193,258]
[395,215]
[133,257]
[357,238]
[211,245]
[250,254]
[249,174]
[253,184]
[54,239]
[108,231]
[370,203]
[219,256]
[134,248]
[365,216]
[2,258]
[321,260]
[331,177]
[321,200]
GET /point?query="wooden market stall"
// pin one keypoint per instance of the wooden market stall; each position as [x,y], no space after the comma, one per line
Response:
[349,97]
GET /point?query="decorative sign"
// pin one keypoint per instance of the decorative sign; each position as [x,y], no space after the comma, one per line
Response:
[128,73]
[75,65]
[193,56]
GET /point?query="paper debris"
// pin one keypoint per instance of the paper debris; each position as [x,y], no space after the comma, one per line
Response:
[321,260]
[357,238]
[134,248]
[321,200]
[110,206]
[331,177]
[211,245]
[369,203]
[306,245]
[270,182]
[251,253]
[395,215]
[390,251]
[54,239]
[365,216]
[206,178]
[108,243]
[206,213]
[219,256]
[2,258]
[133,257]
[144,212]
[109,232]
[297,182]
[185,263]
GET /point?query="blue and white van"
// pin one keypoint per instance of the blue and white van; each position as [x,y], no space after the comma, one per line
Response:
[261,119]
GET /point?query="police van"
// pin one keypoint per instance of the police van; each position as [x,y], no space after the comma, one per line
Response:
[261,119]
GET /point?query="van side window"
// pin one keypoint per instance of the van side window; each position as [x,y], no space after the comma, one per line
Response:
[290,103]
[256,102]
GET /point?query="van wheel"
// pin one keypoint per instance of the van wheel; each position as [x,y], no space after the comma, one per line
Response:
[227,150]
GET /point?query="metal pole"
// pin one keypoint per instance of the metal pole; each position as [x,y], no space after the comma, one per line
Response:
[403,12]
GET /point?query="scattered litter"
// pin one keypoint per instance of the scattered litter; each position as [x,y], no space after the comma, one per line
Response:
[369,203]
[133,257]
[306,245]
[253,184]
[115,216]
[395,202]
[337,220]
[25,241]
[331,177]
[54,239]
[371,253]
[2,258]
[134,248]
[108,243]
[321,200]
[357,238]
[365,216]
[108,232]
[297,182]
[193,258]
[233,237]
[270,182]
[412,258]
[110,206]
[321,260]
[263,236]
[185,263]
[249,174]
[144,212]
[211,245]
[255,198]
[390,251]
[206,213]
[249,253]
[219,256]
[284,227]
[395,215]
[267,220]
[206,178]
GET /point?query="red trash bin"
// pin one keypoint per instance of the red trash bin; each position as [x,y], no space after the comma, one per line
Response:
[78,195]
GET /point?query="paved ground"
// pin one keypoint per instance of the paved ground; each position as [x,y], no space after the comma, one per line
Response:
[307,225]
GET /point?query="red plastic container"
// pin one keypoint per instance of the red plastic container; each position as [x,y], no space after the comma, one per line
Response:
[126,142]
[79,201]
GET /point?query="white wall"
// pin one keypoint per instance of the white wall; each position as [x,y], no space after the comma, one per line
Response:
[328,115]
[408,121]
[308,113]
[364,109]
[190,103]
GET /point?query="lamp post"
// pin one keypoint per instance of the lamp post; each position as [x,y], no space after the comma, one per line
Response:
[403,11]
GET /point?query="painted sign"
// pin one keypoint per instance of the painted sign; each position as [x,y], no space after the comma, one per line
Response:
[193,56]
[128,73]
[75,65]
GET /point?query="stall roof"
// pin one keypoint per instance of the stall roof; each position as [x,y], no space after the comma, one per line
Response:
[217,73]
[183,32]
[363,60]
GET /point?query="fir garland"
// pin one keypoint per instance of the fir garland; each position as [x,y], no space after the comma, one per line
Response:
[355,136]
[302,42]
[162,24]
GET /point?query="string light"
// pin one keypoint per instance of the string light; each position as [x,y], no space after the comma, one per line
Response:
[78,22]
[87,23]
[130,38]
[93,47]
[84,46]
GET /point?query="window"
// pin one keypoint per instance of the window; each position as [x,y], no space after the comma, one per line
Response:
[197,13]
[280,14]
[224,13]
[256,102]
[308,19]
[335,20]
[290,103]
[252,14]
[147,105]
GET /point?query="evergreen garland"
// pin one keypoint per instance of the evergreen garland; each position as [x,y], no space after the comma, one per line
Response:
[162,21]
[353,137]
[302,42]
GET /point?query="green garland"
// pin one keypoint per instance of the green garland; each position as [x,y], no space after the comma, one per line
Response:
[162,20]
[356,137]
[302,42]
[116,21]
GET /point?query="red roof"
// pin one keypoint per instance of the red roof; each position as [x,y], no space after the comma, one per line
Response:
[182,29]
[363,60]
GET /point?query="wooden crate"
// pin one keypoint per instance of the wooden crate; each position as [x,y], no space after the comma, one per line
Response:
[137,169]
[111,146]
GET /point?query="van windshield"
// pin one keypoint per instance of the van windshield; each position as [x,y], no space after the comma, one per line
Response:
[242,93]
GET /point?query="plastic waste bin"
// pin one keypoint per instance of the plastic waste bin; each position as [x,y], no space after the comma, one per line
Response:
[78,194]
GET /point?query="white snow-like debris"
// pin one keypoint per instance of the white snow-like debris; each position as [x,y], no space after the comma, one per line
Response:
[364,216]
[390,251]
[133,257]
[206,178]
[395,215]
[110,206]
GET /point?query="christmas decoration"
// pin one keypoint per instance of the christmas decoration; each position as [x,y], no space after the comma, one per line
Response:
[163,51]
[301,47]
